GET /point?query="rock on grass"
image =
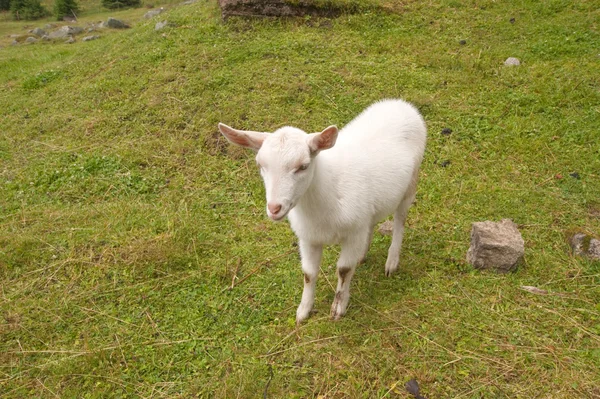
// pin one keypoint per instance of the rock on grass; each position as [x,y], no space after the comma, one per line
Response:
[497,246]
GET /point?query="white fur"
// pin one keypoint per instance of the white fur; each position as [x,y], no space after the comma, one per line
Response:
[350,184]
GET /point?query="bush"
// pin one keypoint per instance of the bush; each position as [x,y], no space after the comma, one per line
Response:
[64,8]
[4,5]
[27,9]
[112,4]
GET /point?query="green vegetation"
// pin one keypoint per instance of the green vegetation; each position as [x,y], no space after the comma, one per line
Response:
[63,8]
[115,4]
[125,217]
[27,9]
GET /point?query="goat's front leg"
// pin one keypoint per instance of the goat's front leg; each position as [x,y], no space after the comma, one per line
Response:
[353,249]
[310,255]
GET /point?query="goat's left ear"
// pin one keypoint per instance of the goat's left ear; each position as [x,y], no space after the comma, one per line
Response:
[324,140]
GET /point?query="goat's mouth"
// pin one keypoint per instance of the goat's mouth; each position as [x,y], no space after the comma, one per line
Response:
[281,215]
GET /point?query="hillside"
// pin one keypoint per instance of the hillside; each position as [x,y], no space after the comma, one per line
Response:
[125,218]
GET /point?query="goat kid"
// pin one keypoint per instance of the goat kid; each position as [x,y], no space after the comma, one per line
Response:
[336,186]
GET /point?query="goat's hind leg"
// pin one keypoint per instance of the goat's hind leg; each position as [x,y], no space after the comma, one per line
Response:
[391,264]
[353,250]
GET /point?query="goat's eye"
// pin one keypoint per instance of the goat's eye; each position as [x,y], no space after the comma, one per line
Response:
[302,167]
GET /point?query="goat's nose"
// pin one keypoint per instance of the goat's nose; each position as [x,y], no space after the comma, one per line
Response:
[274,208]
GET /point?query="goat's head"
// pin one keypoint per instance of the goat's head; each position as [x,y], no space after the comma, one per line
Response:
[285,159]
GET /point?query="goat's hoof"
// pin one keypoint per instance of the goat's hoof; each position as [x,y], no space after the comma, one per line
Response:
[338,309]
[302,313]
[390,267]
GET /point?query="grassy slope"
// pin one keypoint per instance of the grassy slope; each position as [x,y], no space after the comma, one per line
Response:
[123,215]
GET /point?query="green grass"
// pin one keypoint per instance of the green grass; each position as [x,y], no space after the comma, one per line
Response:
[124,217]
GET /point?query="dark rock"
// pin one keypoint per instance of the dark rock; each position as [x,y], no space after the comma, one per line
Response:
[585,245]
[462,42]
[512,20]
[38,32]
[275,8]
[497,246]
[115,24]
[446,131]
[445,163]
[575,175]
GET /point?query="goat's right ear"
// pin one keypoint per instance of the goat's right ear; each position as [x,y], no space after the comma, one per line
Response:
[324,140]
[243,138]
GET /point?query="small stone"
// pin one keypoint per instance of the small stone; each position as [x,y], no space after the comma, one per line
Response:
[496,246]
[462,42]
[512,20]
[188,2]
[45,37]
[115,24]
[386,228]
[161,25]
[30,40]
[512,61]
[585,245]
[88,38]
[14,43]
[70,40]
[575,175]
[49,26]
[445,163]
[446,131]
[38,32]
[153,13]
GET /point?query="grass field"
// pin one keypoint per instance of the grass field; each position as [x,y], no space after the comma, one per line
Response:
[125,218]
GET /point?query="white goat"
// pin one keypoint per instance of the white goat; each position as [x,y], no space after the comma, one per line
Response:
[369,171]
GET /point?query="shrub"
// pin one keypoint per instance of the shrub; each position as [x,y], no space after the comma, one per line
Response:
[27,9]
[4,5]
[64,8]
[112,4]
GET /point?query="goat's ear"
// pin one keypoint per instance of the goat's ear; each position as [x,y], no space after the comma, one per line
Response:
[324,140]
[243,138]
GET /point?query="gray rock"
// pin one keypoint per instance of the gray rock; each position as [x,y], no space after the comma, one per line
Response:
[88,38]
[188,2]
[276,8]
[38,32]
[161,25]
[512,61]
[386,228]
[31,40]
[46,38]
[49,26]
[153,13]
[14,43]
[70,40]
[115,24]
[497,246]
[585,245]
[65,31]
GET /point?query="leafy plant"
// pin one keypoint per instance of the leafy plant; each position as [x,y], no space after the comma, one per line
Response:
[64,8]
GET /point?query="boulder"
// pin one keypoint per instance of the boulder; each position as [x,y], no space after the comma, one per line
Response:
[115,24]
[496,245]
[64,32]
[153,13]
[38,32]
[585,245]
[275,8]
